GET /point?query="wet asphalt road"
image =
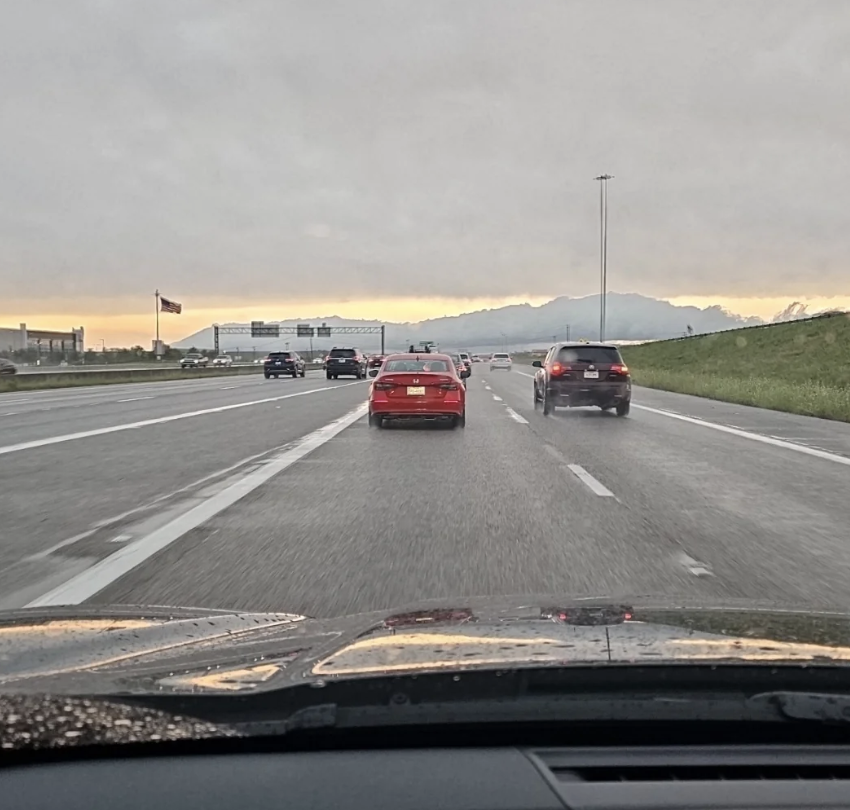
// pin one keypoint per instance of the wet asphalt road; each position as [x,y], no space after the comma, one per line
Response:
[680,499]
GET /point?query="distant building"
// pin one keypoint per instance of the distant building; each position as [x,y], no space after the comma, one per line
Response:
[44,341]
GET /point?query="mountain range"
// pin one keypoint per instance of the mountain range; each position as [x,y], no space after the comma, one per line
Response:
[630,317]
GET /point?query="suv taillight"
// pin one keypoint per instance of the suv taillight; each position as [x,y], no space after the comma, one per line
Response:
[619,368]
[558,369]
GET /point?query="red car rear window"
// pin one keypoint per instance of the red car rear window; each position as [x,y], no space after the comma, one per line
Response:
[416,365]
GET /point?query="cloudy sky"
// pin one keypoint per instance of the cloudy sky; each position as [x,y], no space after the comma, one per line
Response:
[410,158]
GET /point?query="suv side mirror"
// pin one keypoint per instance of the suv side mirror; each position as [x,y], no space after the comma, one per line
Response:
[373,372]
[537,364]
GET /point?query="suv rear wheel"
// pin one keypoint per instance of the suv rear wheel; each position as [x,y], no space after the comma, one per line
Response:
[547,404]
[623,408]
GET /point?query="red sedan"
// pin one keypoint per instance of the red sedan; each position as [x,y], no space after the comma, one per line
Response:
[417,386]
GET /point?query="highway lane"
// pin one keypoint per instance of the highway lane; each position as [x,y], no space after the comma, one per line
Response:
[74,492]
[35,418]
[580,502]
[22,402]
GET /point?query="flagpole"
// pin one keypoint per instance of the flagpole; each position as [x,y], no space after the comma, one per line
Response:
[156,348]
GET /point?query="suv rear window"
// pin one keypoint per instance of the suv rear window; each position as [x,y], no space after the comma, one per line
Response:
[343,353]
[280,355]
[589,354]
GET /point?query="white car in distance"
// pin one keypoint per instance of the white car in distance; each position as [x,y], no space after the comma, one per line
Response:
[501,360]
[223,360]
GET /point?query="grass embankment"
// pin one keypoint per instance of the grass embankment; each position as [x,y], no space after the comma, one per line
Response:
[68,379]
[799,367]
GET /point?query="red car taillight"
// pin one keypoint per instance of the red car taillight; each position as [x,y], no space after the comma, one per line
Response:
[384,386]
[448,386]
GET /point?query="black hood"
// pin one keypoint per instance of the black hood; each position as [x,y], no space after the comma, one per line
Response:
[145,650]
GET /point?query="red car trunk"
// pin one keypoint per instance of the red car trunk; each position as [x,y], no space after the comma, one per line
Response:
[417,390]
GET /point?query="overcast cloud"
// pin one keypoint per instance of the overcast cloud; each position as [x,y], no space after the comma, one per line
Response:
[404,148]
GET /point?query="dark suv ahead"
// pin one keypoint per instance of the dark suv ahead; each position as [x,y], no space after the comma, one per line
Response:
[345,361]
[576,374]
[277,363]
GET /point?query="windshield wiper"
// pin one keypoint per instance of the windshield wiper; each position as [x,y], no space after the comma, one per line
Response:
[821,707]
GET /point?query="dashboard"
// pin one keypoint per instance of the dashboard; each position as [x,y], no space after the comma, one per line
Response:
[499,778]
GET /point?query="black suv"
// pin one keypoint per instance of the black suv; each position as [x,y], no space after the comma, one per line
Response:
[277,363]
[576,374]
[345,361]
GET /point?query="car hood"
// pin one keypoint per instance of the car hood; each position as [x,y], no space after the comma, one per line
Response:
[121,650]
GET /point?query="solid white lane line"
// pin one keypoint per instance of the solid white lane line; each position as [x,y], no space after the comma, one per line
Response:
[594,485]
[134,399]
[755,437]
[191,487]
[805,439]
[525,374]
[515,416]
[95,579]
[85,434]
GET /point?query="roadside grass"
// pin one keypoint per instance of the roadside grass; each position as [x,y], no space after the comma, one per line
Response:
[36,382]
[799,367]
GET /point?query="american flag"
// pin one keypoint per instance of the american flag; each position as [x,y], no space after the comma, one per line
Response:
[169,306]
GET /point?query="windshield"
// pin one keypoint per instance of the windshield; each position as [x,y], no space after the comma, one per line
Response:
[216,218]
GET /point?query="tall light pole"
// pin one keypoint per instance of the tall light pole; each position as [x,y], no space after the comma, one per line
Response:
[603,250]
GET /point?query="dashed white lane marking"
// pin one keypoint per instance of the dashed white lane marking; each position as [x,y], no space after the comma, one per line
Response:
[555,453]
[134,399]
[526,374]
[755,437]
[594,485]
[515,416]
[487,387]
[11,413]
[85,434]
[497,398]
[227,388]
[95,579]
[694,567]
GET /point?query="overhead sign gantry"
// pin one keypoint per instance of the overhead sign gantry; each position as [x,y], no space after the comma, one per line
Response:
[261,329]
